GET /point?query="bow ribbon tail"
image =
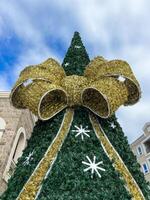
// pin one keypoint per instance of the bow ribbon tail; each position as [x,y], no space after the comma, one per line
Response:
[113,155]
[32,186]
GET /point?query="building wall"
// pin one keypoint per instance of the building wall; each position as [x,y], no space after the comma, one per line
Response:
[143,156]
[19,126]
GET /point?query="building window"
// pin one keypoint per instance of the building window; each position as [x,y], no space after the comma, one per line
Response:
[139,150]
[148,160]
[145,168]
[19,147]
[16,152]
[147,145]
[2,126]
[148,128]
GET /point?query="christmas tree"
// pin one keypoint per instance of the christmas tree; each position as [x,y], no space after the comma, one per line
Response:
[77,150]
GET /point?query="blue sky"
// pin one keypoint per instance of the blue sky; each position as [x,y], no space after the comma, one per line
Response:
[32,31]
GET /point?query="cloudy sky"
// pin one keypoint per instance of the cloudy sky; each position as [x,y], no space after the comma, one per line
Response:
[31,31]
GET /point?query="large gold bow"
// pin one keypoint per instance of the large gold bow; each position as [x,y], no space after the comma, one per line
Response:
[46,90]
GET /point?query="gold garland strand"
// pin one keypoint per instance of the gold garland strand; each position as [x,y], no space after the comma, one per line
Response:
[32,186]
[119,165]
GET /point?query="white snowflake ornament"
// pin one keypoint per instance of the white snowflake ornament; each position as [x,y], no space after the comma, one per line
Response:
[28,158]
[113,125]
[66,64]
[77,46]
[81,131]
[94,167]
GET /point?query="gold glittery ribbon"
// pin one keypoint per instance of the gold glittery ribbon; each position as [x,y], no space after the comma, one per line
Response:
[118,163]
[32,186]
[46,90]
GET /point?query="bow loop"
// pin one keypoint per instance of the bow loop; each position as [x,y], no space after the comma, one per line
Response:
[99,67]
[52,102]
[45,73]
[104,96]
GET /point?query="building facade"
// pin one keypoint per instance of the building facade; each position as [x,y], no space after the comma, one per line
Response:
[15,128]
[141,149]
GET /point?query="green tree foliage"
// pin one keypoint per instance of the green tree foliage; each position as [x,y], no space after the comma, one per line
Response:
[120,142]
[76,57]
[42,136]
[67,180]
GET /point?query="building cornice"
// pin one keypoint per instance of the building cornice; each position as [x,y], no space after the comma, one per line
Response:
[146,125]
[4,94]
[138,139]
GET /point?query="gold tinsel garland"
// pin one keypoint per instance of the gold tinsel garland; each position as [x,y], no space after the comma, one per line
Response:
[119,165]
[31,188]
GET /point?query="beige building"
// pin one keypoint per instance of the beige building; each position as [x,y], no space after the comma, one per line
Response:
[15,128]
[141,148]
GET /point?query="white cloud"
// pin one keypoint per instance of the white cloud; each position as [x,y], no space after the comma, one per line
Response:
[19,21]
[34,49]
[133,118]
[31,57]
[114,29]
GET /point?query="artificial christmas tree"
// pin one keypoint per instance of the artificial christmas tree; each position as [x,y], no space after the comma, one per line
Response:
[77,150]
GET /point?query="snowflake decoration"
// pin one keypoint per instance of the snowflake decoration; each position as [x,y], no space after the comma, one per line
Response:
[113,125]
[66,64]
[77,46]
[28,159]
[81,131]
[27,82]
[121,78]
[94,167]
